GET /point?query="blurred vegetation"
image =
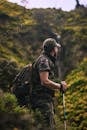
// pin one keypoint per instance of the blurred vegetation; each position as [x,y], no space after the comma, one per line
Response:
[76,97]
[22,32]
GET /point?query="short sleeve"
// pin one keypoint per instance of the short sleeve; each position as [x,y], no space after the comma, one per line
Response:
[44,65]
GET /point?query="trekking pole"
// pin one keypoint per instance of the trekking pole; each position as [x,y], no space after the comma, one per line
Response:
[58,37]
[64,111]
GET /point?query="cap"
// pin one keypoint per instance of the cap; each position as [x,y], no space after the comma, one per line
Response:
[49,44]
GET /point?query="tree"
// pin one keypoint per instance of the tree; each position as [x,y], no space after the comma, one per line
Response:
[24,2]
[78,4]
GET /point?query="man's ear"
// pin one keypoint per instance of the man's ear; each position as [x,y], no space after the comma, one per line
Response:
[52,51]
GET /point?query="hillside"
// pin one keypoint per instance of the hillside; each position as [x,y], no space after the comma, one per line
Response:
[22,33]
[76,98]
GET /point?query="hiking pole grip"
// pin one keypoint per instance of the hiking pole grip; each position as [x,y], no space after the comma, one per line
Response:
[61,88]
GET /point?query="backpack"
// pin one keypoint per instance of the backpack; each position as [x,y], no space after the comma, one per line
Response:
[22,85]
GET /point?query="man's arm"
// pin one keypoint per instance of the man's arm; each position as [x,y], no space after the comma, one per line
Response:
[44,69]
[47,82]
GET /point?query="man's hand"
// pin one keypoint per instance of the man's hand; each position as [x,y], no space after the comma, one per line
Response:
[63,86]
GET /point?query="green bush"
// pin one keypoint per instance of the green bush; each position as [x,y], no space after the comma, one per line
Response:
[8,70]
[14,116]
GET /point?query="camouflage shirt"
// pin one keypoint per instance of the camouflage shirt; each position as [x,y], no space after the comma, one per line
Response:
[43,63]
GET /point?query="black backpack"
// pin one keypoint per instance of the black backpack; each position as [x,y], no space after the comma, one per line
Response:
[22,85]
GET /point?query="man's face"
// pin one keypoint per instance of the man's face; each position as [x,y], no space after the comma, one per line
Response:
[56,50]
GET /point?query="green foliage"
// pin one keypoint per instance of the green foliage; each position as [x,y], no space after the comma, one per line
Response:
[8,70]
[22,32]
[22,35]
[76,96]
[7,103]
[14,116]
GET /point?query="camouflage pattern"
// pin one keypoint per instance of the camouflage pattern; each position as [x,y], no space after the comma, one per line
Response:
[42,97]
[46,117]
[49,44]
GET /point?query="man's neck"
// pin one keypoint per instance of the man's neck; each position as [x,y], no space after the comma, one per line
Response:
[51,57]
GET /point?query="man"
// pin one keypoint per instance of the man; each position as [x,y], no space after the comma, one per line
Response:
[43,85]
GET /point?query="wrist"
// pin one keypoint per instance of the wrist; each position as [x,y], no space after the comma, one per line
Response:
[58,86]
[61,87]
